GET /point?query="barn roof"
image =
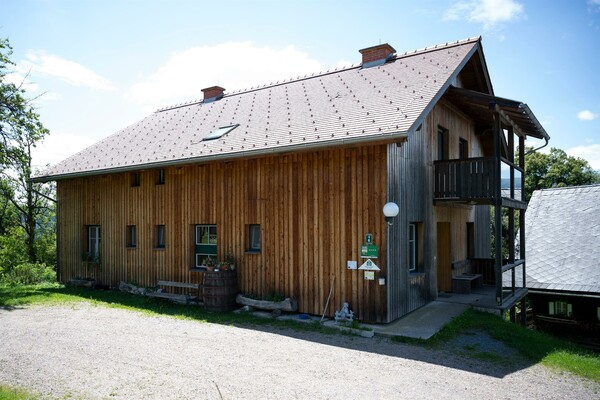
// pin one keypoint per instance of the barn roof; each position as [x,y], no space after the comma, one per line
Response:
[563,239]
[347,106]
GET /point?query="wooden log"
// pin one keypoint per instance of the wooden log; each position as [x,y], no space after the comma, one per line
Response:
[289,304]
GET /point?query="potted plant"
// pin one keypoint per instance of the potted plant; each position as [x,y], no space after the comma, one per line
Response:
[210,263]
[228,263]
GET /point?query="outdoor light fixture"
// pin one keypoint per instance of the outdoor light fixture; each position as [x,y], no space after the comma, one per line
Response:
[390,211]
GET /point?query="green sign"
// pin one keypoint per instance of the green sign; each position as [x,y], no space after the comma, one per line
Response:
[368,251]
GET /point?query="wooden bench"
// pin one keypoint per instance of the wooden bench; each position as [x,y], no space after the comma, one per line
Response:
[465,282]
[177,298]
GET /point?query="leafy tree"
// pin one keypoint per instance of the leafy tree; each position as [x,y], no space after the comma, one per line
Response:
[557,169]
[22,203]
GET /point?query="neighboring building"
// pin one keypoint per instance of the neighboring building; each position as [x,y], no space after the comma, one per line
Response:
[292,177]
[563,259]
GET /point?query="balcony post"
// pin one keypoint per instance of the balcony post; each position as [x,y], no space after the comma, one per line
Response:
[497,132]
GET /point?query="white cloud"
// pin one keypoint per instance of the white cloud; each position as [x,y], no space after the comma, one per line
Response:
[586,115]
[232,65]
[66,70]
[487,12]
[21,80]
[58,146]
[591,153]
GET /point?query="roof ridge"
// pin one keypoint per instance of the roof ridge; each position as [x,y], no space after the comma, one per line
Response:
[592,185]
[329,71]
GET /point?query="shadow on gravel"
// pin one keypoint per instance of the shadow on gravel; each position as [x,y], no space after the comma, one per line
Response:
[472,351]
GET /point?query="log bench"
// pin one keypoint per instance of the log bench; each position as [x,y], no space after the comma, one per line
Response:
[177,298]
[465,282]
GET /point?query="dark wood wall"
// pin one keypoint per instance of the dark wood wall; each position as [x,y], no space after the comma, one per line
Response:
[314,210]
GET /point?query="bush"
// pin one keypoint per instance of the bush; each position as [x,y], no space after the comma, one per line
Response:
[29,274]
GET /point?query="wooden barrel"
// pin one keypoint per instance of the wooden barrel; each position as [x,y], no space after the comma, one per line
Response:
[219,290]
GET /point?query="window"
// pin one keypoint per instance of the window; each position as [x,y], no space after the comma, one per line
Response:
[135,179]
[159,237]
[442,139]
[254,238]
[412,247]
[160,177]
[220,132]
[463,149]
[93,243]
[205,243]
[560,308]
[131,236]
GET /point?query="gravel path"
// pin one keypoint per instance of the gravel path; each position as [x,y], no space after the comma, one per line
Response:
[87,351]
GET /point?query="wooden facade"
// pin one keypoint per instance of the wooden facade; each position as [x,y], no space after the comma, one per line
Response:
[314,210]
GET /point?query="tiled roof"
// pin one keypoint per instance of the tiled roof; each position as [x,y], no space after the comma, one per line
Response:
[327,109]
[563,239]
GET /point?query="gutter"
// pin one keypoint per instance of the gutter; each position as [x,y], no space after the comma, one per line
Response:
[391,137]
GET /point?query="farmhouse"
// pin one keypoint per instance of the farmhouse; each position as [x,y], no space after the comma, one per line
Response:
[563,258]
[292,178]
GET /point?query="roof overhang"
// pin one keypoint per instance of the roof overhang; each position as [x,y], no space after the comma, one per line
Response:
[481,107]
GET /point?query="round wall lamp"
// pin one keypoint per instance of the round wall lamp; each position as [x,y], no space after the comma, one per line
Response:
[390,211]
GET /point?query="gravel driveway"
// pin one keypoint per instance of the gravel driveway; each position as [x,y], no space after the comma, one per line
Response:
[87,351]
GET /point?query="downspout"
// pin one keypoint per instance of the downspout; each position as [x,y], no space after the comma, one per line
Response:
[538,148]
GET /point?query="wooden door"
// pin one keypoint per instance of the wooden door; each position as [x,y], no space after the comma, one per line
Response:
[444,257]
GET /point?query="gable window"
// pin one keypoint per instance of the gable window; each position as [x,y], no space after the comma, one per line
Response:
[217,133]
[135,179]
[415,252]
[93,243]
[560,308]
[463,149]
[160,177]
[205,243]
[442,144]
[159,237]
[131,236]
[254,238]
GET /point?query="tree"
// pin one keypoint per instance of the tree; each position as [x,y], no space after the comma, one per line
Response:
[20,130]
[557,169]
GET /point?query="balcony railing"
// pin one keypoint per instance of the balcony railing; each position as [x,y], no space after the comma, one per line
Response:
[471,179]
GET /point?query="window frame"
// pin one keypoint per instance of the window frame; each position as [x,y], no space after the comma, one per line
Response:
[413,247]
[463,148]
[211,232]
[94,243]
[254,233]
[160,237]
[160,176]
[560,308]
[131,237]
[443,152]
[135,179]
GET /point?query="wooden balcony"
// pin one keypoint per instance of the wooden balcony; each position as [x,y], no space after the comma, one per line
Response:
[470,180]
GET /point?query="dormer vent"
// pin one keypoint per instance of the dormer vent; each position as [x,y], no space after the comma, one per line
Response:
[212,93]
[376,55]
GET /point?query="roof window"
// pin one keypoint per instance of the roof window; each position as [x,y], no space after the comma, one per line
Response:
[220,132]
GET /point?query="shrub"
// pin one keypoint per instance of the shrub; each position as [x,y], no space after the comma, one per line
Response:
[29,274]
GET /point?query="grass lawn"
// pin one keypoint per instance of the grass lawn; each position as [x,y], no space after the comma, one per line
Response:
[536,346]
[10,393]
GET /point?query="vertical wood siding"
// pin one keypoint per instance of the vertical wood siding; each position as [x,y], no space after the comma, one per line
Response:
[314,210]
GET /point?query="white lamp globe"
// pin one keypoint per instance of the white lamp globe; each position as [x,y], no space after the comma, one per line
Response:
[391,210]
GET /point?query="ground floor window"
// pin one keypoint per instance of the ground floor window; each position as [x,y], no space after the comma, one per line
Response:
[560,308]
[253,238]
[160,241]
[93,243]
[415,239]
[205,243]
[131,236]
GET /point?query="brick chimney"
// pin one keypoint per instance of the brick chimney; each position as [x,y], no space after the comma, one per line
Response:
[376,55]
[212,93]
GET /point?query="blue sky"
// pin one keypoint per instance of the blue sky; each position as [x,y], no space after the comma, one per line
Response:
[102,65]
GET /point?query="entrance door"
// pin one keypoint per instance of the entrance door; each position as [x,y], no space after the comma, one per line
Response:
[444,257]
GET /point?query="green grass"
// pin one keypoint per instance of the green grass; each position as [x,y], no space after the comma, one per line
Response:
[59,294]
[534,345]
[12,393]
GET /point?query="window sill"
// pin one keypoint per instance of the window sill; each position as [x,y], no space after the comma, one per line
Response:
[252,252]
[197,269]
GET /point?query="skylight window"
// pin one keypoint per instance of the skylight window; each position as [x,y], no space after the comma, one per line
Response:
[220,132]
